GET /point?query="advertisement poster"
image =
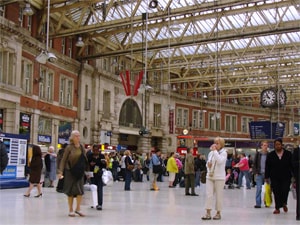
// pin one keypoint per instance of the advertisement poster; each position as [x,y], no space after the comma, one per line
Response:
[171,121]
[16,147]
[64,132]
[25,121]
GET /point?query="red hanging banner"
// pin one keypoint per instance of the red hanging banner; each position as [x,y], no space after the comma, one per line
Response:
[124,84]
[137,82]
[128,82]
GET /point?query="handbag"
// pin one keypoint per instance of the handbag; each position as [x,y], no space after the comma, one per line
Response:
[130,166]
[107,177]
[203,177]
[211,172]
[157,168]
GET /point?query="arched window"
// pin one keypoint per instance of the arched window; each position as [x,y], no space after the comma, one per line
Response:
[130,114]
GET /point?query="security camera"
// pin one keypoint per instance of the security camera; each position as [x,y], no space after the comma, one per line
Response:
[51,57]
[143,131]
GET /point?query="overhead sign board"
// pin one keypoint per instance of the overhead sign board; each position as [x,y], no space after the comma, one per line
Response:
[266,129]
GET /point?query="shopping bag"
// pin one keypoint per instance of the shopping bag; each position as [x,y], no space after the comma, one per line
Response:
[107,177]
[268,195]
[293,190]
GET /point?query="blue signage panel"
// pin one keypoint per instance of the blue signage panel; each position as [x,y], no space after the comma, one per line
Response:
[10,172]
[277,130]
[266,130]
[44,138]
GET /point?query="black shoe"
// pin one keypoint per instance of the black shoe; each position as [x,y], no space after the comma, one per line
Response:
[99,207]
[194,194]
[257,206]
[39,195]
[187,194]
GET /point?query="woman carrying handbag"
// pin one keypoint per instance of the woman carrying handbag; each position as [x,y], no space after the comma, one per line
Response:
[215,178]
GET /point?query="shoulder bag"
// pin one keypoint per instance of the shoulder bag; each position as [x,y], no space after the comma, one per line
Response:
[78,169]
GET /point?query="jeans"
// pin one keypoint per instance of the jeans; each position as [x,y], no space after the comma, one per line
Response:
[259,179]
[127,179]
[197,178]
[246,174]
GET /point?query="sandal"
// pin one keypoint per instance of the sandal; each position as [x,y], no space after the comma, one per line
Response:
[79,213]
[217,217]
[206,217]
[72,214]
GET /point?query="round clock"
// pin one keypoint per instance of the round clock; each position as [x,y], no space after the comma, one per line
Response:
[268,98]
[282,97]
[185,131]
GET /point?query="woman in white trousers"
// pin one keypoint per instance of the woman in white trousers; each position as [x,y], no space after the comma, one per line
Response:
[215,178]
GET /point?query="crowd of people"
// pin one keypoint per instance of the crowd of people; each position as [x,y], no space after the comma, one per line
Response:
[220,171]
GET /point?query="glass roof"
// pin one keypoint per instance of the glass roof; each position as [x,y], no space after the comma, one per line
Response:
[240,37]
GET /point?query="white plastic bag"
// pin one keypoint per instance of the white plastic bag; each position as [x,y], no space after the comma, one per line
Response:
[93,189]
[293,189]
[107,177]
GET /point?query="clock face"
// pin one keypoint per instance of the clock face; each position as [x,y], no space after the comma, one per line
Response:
[268,98]
[282,97]
[185,131]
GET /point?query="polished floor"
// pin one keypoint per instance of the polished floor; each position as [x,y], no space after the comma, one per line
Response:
[139,206]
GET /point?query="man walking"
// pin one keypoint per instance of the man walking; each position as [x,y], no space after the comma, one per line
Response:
[258,168]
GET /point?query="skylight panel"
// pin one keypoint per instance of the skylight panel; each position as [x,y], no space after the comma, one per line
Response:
[295,37]
[206,25]
[237,21]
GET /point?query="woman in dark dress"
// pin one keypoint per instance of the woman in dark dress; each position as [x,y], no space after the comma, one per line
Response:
[36,165]
[73,187]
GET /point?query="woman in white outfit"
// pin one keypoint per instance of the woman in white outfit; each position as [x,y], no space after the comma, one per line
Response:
[215,178]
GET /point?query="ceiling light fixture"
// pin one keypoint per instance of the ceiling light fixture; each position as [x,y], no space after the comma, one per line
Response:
[174,87]
[153,4]
[79,42]
[45,55]
[27,11]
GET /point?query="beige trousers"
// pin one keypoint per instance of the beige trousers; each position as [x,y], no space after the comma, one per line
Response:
[214,188]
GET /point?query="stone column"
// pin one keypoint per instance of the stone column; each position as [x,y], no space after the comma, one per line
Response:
[144,144]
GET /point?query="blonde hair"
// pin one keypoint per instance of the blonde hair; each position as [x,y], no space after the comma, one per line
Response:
[127,152]
[221,141]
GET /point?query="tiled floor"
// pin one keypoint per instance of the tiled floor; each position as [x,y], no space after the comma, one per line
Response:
[139,206]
